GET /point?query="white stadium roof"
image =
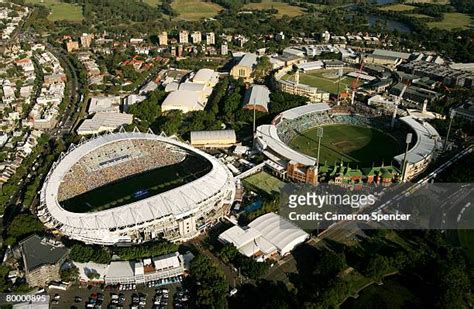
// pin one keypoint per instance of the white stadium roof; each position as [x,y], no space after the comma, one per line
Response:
[268,138]
[305,109]
[425,144]
[173,204]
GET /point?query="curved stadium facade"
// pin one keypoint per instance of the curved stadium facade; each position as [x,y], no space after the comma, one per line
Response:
[134,187]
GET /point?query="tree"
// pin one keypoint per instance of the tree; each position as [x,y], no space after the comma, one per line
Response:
[231,104]
[70,274]
[83,254]
[377,267]
[209,286]
[22,226]
[262,68]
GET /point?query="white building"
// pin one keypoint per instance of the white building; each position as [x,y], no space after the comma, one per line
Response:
[104,104]
[210,38]
[265,236]
[102,122]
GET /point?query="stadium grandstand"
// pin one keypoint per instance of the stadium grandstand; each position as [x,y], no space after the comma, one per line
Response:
[134,187]
[276,141]
[420,154]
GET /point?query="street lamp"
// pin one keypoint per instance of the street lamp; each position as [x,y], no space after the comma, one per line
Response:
[404,162]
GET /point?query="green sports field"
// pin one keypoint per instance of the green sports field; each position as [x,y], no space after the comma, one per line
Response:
[263,182]
[326,80]
[352,144]
[124,191]
[61,10]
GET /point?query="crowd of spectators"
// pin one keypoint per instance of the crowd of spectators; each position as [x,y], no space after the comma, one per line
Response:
[115,161]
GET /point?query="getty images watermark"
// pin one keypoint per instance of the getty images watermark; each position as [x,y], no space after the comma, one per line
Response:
[401,206]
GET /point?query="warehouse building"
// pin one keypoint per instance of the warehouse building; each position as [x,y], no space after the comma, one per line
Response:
[257,97]
[213,139]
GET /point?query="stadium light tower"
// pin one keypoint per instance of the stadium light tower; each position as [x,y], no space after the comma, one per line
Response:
[319,134]
[397,102]
[451,116]
[404,162]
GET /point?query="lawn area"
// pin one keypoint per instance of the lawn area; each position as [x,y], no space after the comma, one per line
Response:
[398,7]
[452,21]
[283,8]
[138,187]
[153,3]
[350,143]
[60,10]
[195,9]
[428,1]
[263,182]
[326,80]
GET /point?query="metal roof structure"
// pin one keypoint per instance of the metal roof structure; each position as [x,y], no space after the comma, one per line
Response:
[104,226]
[104,122]
[248,60]
[391,54]
[426,138]
[257,95]
[202,137]
[37,252]
[268,140]
[304,109]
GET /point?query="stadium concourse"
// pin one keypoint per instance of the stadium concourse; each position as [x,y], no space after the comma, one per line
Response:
[177,214]
[274,140]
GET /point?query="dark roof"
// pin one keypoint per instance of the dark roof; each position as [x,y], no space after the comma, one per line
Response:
[37,252]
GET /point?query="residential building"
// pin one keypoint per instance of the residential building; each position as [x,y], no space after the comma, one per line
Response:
[183,37]
[163,38]
[210,38]
[196,37]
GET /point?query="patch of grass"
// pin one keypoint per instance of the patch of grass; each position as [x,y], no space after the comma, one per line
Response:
[325,80]
[428,1]
[153,3]
[264,182]
[60,10]
[283,8]
[419,15]
[351,143]
[452,21]
[398,7]
[195,9]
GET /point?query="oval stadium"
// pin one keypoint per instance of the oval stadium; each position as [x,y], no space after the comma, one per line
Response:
[124,188]
[357,145]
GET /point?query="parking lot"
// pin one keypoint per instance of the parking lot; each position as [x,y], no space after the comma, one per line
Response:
[141,297]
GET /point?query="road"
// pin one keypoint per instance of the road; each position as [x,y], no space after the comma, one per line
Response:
[343,230]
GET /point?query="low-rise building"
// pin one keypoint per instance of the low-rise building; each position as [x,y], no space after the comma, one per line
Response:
[213,139]
[244,67]
[257,97]
[42,260]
